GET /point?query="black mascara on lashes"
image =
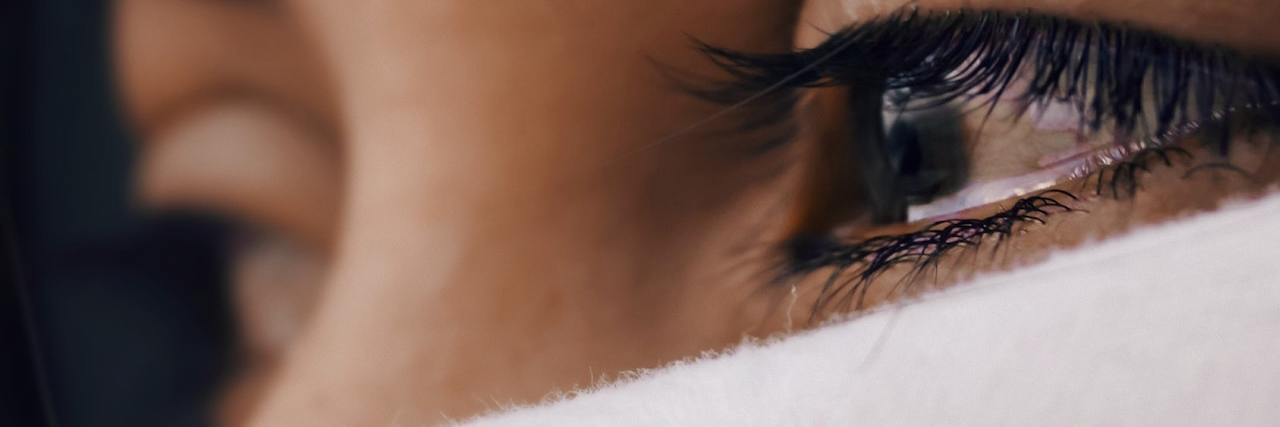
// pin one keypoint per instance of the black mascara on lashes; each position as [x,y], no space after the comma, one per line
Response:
[1131,80]
[1115,75]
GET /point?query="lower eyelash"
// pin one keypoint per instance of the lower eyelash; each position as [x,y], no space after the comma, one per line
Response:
[856,264]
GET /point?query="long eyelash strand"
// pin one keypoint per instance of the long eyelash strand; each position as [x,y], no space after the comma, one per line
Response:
[1134,80]
[1126,176]
[856,264]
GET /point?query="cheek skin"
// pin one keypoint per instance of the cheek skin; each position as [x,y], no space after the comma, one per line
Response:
[505,233]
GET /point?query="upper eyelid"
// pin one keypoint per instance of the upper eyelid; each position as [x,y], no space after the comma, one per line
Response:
[867,51]
[1244,25]
[741,63]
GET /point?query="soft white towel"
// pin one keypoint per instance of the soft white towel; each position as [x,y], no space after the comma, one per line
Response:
[1174,325]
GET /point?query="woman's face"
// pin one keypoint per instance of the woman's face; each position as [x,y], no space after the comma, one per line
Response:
[445,204]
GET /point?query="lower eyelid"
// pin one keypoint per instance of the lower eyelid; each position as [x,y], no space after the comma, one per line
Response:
[988,193]
[867,269]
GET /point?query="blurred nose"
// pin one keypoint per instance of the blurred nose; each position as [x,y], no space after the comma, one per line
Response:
[173,54]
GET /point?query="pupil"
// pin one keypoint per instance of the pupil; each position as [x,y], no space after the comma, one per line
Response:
[926,152]
[905,157]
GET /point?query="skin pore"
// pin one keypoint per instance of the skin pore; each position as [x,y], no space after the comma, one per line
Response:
[483,202]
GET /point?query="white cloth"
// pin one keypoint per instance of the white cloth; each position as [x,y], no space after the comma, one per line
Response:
[1174,325]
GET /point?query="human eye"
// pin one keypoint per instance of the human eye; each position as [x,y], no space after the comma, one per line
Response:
[945,143]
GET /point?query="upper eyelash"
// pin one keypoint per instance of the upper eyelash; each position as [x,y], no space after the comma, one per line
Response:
[1113,74]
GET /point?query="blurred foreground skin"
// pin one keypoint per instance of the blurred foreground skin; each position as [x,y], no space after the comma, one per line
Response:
[471,173]
[452,204]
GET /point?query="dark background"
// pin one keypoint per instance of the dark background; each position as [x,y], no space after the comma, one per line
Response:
[108,316]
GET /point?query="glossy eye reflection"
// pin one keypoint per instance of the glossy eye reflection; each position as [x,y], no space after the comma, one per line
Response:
[965,155]
[959,157]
